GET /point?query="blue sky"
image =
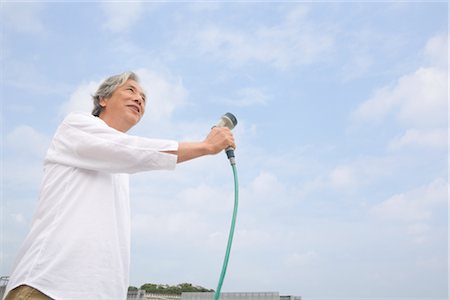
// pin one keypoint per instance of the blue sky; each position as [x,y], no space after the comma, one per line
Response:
[342,137]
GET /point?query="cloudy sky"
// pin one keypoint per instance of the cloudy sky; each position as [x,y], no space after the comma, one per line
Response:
[342,137]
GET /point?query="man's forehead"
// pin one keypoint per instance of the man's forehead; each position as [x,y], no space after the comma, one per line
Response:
[133,83]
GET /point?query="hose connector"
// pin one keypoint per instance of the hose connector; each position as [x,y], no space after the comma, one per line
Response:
[230,154]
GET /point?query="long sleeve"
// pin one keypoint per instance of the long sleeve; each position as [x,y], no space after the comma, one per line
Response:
[86,142]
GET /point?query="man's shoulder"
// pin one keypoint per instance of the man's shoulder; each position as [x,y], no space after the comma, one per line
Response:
[79,117]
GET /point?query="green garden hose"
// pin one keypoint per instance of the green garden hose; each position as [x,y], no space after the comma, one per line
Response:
[230,235]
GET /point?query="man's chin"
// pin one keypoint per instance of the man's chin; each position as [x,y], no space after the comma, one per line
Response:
[135,120]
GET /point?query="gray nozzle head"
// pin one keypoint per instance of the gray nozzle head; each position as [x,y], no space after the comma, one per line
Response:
[227,120]
[232,119]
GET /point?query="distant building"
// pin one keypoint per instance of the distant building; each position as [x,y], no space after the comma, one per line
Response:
[290,298]
[3,283]
[142,295]
[239,296]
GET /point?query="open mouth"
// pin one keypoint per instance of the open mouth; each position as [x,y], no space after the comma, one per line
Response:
[135,108]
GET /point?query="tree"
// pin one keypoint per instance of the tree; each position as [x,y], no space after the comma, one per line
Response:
[172,290]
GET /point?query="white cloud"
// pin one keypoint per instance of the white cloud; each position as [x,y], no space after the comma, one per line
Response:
[415,209]
[436,51]
[195,211]
[419,231]
[418,99]
[27,141]
[206,198]
[184,225]
[80,99]
[248,97]
[25,149]
[433,138]
[124,49]
[343,177]
[357,173]
[293,42]
[121,16]
[424,98]
[266,185]
[23,17]
[165,93]
[358,66]
[31,78]
[363,46]
[418,102]
[416,205]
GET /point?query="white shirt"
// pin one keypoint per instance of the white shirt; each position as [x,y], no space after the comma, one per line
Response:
[79,243]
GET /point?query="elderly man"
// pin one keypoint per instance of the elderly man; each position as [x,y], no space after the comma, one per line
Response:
[79,243]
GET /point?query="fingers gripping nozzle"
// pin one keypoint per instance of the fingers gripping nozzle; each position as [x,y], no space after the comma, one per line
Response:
[228,120]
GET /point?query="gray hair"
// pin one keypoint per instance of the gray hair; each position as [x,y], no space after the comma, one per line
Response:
[107,88]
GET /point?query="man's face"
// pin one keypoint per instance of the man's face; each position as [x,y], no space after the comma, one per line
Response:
[125,107]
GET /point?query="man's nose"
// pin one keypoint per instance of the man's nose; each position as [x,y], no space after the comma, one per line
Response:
[139,100]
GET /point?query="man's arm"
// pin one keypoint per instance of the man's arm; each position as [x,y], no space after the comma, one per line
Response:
[87,142]
[217,140]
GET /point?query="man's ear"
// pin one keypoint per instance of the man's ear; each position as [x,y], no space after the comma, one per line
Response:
[102,102]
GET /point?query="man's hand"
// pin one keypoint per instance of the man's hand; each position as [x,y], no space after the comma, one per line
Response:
[218,139]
